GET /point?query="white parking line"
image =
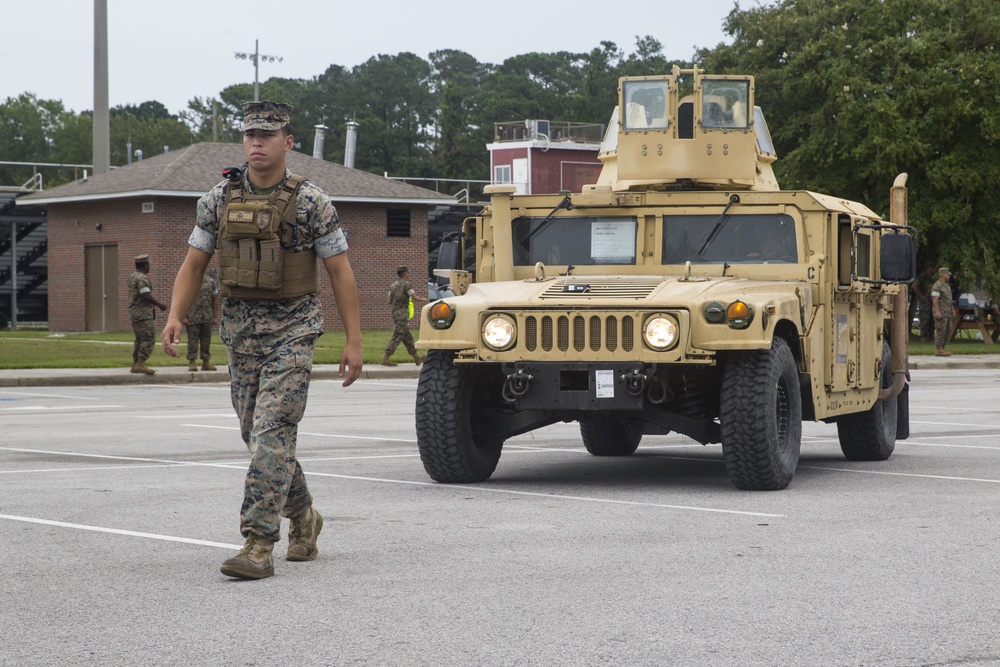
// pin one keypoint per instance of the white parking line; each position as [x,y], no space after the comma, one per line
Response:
[484,489]
[90,469]
[949,478]
[318,435]
[7,392]
[61,408]
[538,494]
[116,531]
[122,458]
[941,444]
[967,424]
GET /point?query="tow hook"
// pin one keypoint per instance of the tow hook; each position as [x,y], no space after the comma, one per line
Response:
[635,382]
[516,384]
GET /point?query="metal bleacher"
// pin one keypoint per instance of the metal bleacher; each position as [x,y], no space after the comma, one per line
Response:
[24,249]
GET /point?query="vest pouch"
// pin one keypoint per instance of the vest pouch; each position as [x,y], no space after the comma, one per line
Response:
[247,265]
[228,263]
[250,220]
[269,274]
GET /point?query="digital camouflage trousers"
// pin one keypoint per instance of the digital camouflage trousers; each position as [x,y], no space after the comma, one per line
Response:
[401,334]
[145,337]
[269,394]
[199,335]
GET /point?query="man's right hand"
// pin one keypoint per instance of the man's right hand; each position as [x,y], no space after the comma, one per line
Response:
[171,336]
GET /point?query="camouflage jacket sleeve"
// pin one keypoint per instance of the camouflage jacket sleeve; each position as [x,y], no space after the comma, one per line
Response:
[207,216]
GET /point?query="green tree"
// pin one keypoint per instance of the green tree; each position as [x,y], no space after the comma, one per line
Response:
[213,120]
[328,96]
[459,151]
[856,92]
[395,110]
[150,127]
[29,128]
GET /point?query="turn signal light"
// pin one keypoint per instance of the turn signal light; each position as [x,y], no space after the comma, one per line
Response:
[739,315]
[441,315]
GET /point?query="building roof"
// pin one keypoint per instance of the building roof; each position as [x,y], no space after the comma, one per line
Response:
[194,170]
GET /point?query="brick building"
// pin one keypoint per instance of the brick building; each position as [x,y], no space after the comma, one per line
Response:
[97,225]
[545,157]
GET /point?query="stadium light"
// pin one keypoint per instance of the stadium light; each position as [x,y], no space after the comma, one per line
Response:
[256,57]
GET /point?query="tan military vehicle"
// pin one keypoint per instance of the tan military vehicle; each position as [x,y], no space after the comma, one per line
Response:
[683,292]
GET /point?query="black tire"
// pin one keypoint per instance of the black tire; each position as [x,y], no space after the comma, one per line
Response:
[871,435]
[761,417]
[604,435]
[454,446]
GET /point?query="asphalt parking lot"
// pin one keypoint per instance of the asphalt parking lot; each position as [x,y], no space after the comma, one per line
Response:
[119,503]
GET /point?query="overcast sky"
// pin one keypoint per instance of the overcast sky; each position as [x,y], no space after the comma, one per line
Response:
[171,51]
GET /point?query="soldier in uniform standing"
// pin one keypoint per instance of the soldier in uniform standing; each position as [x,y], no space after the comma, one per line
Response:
[400,294]
[921,288]
[280,223]
[200,319]
[944,311]
[142,307]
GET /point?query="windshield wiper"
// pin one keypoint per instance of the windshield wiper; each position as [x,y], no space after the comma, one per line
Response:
[733,199]
[565,203]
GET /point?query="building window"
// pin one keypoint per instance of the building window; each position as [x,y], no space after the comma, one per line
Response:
[397,222]
[501,173]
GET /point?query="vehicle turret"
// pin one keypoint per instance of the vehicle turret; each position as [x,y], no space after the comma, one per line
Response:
[713,138]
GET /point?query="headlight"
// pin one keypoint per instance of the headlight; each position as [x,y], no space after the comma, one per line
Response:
[660,332]
[498,332]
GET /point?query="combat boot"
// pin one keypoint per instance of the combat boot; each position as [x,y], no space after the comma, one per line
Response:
[254,561]
[941,352]
[192,365]
[141,367]
[135,367]
[302,535]
[417,359]
[207,365]
[386,361]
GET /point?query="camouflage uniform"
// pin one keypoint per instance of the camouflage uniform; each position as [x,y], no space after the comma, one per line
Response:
[942,326]
[201,317]
[926,309]
[141,313]
[399,299]
[271,346]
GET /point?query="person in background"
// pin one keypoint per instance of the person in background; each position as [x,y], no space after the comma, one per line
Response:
[267,227]
[944,311]
[921,303]
[400,296]
[200,320]
[142,307]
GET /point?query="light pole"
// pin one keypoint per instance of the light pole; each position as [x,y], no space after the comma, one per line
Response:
[256,57]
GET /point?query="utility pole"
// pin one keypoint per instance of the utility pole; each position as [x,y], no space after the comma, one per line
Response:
[102,117]
[256,57]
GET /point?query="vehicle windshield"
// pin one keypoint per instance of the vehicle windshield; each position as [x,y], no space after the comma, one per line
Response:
[739,239]
[724,104]
[578,240]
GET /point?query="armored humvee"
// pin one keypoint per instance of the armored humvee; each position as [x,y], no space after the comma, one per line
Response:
[683,292]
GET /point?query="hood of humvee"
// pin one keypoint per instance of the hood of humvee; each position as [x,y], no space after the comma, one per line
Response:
[618,291]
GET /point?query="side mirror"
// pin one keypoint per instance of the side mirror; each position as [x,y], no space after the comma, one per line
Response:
[898,260]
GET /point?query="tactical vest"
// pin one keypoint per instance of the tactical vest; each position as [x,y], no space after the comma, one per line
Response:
[256,244]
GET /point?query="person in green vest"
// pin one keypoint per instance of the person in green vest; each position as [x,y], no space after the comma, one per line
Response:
[401,302]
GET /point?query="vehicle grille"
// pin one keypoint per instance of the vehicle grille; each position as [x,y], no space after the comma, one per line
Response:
[580,332]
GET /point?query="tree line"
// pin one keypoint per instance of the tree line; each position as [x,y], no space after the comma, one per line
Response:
[854,93]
